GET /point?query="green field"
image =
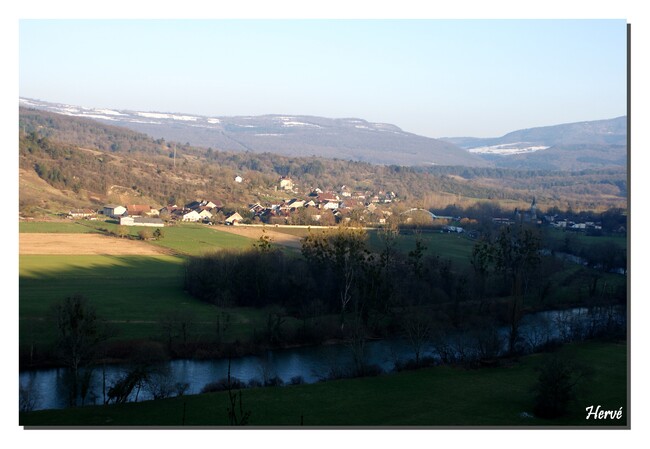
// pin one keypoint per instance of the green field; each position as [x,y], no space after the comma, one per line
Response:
[455,247]
[558,236]
[198,239]
[133,293]
[440,396]
[72,227]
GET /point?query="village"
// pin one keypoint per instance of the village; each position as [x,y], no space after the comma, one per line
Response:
[315,207]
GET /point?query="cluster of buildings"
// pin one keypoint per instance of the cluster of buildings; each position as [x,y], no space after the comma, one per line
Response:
[145,215]
[310,208]
[531,216]
[317,204]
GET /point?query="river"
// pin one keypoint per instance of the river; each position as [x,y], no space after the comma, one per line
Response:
[48,388]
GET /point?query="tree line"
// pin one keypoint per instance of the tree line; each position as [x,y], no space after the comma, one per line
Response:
[390,292]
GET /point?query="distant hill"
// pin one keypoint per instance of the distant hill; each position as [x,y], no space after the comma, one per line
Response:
[343,138]
[572,146]
[73,162]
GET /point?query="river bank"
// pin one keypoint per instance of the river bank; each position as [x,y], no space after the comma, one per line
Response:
[311,364]
[441,396]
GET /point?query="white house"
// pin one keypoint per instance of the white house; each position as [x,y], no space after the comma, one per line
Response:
[191,216]
[286,183]
[234,219]
[295,203]
[205,214]
[238,179]
[330,205]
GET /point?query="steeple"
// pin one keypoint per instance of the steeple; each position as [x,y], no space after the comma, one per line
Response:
[533,209]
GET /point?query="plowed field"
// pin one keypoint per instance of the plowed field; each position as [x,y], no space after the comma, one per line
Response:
[84,244]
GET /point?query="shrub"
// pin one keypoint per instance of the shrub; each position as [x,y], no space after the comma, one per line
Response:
[297,380]
[556,388]
[222,385]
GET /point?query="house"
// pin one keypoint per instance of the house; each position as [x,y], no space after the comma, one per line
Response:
[239,179]
[256,208]
[141,221]
[286,183]
[193,205]
[138,209]
[296,203]
[113,210]
[351,204]
[205,215]
[234,219]
[330,205]
[192,216]
[328,196]
[168,211]
[203,204]
[81,213]
[185,215]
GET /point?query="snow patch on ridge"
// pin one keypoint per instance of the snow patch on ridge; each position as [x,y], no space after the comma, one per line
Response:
[508,149]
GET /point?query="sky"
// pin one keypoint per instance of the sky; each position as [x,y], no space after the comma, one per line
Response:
[437,78]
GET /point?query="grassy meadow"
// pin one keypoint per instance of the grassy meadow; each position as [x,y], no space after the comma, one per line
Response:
[431,397]
[454,247]
[135,294]
[56,226]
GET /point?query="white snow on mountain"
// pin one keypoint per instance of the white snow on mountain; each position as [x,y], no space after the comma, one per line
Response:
[168,116]
[508,149]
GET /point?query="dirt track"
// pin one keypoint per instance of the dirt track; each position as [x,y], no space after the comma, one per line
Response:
[254,232]
[83,244]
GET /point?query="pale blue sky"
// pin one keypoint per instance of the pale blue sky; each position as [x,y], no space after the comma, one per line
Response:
[431,77]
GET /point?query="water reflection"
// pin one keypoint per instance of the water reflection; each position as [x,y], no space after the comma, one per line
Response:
[47,389]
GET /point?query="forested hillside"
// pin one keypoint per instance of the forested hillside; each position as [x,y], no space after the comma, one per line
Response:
[87,162]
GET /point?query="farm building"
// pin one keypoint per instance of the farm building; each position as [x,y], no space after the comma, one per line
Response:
[142,221]
[112,210]
[140,209]
[81,213]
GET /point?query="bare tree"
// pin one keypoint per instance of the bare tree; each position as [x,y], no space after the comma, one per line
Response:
[236,414]
[344,251]
[417,330]
[79,334]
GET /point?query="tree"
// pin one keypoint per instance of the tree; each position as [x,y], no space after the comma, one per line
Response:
[344,252]
[79,334]
[480,261]
[122,231]
[145,234]
[263,244]
[417,330]
[516,255]
[556,387]
[237,416]
[165,215]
